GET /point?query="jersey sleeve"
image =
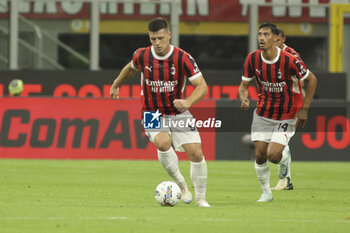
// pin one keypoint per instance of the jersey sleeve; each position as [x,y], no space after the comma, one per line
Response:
[293,52]
[299,69]
[248,71]
[191,68]
[135,62]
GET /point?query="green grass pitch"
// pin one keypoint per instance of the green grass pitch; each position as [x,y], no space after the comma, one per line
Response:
[117,196]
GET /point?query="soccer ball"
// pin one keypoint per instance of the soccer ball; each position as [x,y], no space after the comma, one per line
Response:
[167,193]
[16,87]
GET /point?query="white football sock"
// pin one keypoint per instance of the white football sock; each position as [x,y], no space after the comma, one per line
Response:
[284,155]
[263,173]
[289,174]
[170,162]
[199,174]
[290,161]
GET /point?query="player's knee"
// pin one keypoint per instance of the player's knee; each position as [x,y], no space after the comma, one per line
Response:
[163,143]
[196,156]
[164,146]
[260,158]
[194,153]
[260,155]
[274,157]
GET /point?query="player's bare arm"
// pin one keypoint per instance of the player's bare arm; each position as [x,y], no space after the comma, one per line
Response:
[243,94]
[302,115]
[200,90]
[127,72]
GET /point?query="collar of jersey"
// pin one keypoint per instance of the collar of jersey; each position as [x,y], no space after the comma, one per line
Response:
[162,57]
[284,47]
[274,60]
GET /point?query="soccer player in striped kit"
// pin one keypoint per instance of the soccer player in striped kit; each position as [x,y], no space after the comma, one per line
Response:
[285,179]
[280,107]
[164,70]
[280,42]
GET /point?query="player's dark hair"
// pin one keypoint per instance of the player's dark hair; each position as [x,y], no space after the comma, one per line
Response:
[281,32]
[157,24]
[272,26]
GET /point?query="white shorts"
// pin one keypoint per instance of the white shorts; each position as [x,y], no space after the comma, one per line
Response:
[269,130]
[180,135]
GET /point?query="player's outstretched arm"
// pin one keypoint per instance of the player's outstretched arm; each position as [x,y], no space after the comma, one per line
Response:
[200,90]
[127,72]
[309,94]
[243,94]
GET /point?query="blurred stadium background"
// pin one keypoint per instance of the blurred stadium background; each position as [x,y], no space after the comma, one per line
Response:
[69,49]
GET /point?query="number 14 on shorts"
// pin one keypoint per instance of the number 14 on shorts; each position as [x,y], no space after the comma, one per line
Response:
[283,126]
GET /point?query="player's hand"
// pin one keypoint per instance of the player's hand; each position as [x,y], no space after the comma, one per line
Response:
[302,118]
[245,104]
[181,105]
[114,93]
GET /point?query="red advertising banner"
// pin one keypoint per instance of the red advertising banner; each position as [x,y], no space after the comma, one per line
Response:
[328,133]
[79,128]
[191,10]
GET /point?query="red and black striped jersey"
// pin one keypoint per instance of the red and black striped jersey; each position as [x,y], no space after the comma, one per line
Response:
[163,79]
[279,88]
[291,51]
